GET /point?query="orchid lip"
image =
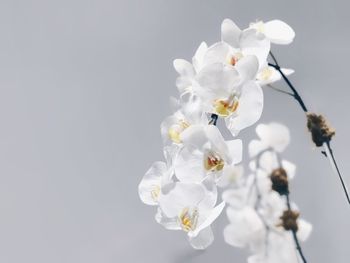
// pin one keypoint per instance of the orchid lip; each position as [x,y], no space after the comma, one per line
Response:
[188,219]
[213,162]
[226,107]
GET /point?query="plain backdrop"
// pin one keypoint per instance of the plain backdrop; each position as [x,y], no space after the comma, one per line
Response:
[84,85]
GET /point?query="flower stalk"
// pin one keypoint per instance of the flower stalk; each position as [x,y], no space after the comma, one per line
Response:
[330,156]
[317,125]
[285,78]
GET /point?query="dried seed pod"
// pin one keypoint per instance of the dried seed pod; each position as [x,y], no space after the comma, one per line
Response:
[320,130]
[289,220]
[279,181]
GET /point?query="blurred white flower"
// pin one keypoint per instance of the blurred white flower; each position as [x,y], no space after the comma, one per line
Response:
[256,226]
[231,176]
[205,153]
[270,161]
[190,207]
[277,31]
[273,136]
[246,229]
[279,246]
[240,197]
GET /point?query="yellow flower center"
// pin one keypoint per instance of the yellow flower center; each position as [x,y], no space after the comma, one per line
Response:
[213,162]
[176,129]
[225,108]
[188,219]
[155,192]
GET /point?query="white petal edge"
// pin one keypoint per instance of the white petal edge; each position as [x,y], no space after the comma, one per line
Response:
[151,180]
[230,33]
[183,67]
[279,32]
[210,219]
[249,110]
[203,240]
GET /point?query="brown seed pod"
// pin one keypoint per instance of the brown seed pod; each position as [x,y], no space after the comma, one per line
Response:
[289,220]
[279,181]
[320,130]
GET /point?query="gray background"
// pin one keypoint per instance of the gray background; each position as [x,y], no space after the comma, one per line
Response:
[84,86]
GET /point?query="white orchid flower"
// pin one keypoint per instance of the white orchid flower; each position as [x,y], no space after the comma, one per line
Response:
[268,75]
[277,31]
[190,207]
[280,248]
[236,44]
[189,113]
[151,184]
[228,92]
[188,70]
[249,225]
[253,227]
[272,136]
[272,207]
[205,153]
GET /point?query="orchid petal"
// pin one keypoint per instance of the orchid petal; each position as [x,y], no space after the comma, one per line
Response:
[230,33]
[204,239]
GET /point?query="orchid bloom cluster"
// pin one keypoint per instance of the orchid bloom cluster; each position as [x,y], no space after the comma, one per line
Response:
[223,81]
[261,216]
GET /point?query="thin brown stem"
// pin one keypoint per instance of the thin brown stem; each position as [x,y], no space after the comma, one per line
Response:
[290,85]
[279,90]
[330,155]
